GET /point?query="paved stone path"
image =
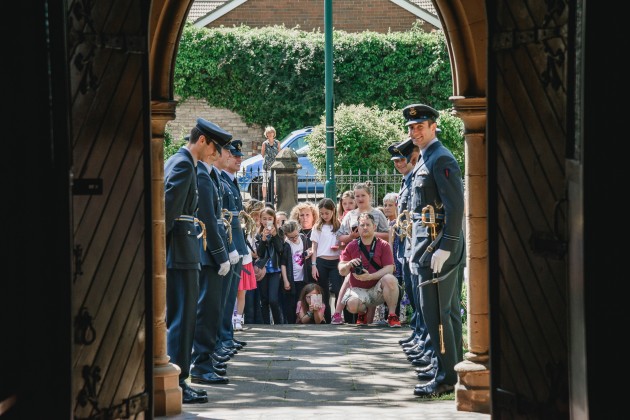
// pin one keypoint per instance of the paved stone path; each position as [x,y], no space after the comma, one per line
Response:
[303,372]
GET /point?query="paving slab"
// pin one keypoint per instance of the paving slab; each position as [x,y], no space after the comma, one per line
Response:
[326,371]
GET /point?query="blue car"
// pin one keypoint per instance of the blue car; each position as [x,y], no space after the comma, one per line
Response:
[250,176]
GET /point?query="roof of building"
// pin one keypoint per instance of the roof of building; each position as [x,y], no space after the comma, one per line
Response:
[203,12]
[200,8]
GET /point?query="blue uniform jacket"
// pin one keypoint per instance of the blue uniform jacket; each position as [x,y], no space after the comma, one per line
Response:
[180,199]
[404,198]
[437,180]
[233,202]
[210,205]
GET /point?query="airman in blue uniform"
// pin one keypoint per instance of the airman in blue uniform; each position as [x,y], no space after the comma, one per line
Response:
[215,265]
[183,259]
[437,247]
[233,204]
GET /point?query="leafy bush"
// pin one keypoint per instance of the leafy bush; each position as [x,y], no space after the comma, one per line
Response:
[275,76]
[363,134]
[171,146]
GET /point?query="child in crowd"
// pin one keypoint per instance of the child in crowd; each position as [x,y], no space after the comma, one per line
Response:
[269,246]
[292,266]
[325,255]
[308,312]
[248,283]
[346,204]
[281,218]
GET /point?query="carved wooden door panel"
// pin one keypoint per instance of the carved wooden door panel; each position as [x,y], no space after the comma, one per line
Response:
[111,360]
[527,130]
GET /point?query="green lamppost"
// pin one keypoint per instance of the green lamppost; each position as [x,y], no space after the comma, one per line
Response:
[330,189]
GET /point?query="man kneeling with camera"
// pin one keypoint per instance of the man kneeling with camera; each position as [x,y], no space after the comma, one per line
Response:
[371,263]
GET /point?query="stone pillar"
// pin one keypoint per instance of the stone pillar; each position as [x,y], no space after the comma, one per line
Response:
[166,391]
[473,386]
[286,166]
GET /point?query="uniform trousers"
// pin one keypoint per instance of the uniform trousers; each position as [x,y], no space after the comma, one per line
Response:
[209,315]
[230,289]
[182,293]
[449,314]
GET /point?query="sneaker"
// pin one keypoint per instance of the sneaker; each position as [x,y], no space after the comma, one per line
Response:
[393,321]
[336,319]
[238,323]
[362,319]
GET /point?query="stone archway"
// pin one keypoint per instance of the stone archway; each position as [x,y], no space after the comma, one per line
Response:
[464,23]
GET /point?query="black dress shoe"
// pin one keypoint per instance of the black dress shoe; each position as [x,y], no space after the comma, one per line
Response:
[219,358]
[189,396]
[410,345]
[223,352]
[432,389]
[421,361]
[407,340]
[219,371]
[200,391]
[209,378]
[228,350]
[415,349]
[242,343]
[417,355]
[429,374]
[424,368]
[197,391]
[220,365]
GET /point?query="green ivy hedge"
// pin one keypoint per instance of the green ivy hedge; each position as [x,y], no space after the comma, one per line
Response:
[275,76]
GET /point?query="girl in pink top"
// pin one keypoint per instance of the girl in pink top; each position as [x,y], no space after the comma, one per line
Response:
[307,311]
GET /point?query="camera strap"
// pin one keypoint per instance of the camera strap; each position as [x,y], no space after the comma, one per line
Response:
[369,255]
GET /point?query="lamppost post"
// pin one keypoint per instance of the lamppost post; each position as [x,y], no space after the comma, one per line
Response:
[330,187]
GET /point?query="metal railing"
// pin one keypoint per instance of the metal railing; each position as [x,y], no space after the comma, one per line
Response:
[311,186]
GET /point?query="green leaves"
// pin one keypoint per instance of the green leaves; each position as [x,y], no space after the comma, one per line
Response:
[276,76]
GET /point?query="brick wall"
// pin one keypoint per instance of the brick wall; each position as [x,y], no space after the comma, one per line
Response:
[348,15]
[186,117]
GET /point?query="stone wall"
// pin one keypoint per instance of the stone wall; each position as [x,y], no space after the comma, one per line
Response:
[188,111]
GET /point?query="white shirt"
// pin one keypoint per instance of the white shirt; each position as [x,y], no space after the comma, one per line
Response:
[298,261]
[325,239]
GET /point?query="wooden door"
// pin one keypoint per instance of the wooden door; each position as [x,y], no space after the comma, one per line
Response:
[111,361]
[527,131]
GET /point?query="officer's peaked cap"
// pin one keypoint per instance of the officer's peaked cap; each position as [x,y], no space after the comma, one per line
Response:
[417,113]
[236,147]
[214,132]
[401,150]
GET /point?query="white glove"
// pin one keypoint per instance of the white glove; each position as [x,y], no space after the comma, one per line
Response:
[224,268]
[438,259]
[413,268]
[234,257]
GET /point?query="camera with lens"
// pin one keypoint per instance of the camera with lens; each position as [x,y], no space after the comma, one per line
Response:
[358,269]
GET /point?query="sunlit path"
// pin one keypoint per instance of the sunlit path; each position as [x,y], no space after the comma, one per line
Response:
[330,371]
